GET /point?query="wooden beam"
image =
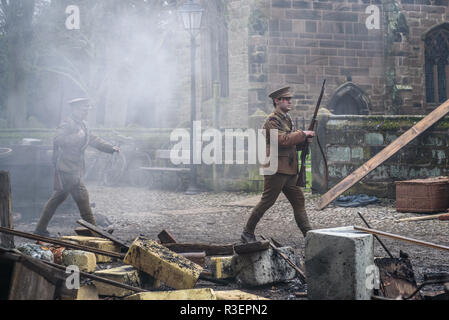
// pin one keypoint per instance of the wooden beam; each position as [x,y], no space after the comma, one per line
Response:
[394,236]
[166,237]
[252,247]
[211,250]
[422,218]
[384,155]
[6,241]
[102,233]
[61,243]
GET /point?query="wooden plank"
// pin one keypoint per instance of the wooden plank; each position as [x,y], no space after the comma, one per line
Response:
[166,237]
[6,241]
[102,233]
[422,218]
[85,232]
[211,250]
[397,237]
[26,284]
[384,155]
[252,247]
[61,243]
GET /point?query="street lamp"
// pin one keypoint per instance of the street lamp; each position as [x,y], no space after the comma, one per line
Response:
[191,14]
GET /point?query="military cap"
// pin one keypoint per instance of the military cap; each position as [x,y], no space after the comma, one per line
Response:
[80,103]
[281,93]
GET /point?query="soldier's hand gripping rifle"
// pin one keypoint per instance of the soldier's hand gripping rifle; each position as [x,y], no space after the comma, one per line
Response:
[304,148]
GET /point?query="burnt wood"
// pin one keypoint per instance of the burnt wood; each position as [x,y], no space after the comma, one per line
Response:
[166,237]
[102,233]
[252,247]
[6,241]
[210,249]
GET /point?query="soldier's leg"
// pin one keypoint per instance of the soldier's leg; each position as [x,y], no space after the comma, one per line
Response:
[272,188]
[295,195]
[52,204]
[81,197]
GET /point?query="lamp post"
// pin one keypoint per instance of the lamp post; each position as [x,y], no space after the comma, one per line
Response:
[191,14]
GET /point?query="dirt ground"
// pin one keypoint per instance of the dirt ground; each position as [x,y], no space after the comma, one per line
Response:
[218,218]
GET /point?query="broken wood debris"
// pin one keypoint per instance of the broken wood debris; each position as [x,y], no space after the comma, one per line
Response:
[62,243]
[441,217]
[252,247]
[210,249]
[397,237]
[103,234]
[375,236]
[6,241]
[165,237]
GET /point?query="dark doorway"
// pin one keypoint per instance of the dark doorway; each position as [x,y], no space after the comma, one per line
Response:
[349,99]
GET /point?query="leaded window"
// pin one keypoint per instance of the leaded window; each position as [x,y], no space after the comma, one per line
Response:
[437,64]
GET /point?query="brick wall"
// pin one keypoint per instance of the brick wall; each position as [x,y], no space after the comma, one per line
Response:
[350,141]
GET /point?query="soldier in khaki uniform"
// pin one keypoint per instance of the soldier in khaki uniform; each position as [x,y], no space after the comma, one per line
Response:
[284,180]
[71,140]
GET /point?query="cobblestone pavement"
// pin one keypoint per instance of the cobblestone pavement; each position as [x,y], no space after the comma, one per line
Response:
[214,218]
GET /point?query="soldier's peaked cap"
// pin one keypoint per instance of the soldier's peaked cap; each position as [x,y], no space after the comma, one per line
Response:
[80,102]
[281,93]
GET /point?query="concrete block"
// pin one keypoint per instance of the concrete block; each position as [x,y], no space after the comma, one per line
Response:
[237,295]
[221,267]
[98,243]
[86,292]
[86,261]
[124,274]
[263,267]
[167,266]
[191,294]
[337,264]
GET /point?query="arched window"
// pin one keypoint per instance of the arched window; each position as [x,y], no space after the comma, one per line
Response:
[437,63]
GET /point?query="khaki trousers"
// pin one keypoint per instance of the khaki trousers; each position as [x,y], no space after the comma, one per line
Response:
[66,184]
[273,185]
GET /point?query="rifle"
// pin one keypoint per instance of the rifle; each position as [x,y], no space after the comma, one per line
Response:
[304,148]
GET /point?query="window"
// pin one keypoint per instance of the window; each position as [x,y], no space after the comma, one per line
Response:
[437,64]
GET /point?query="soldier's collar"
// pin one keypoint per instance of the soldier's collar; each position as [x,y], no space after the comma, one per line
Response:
[280,114]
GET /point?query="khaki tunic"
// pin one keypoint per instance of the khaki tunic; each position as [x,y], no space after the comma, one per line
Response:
[287,138]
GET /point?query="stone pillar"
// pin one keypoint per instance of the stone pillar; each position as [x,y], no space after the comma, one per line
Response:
[337,263]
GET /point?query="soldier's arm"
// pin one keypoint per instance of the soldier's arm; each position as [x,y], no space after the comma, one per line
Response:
[100,144]
[285,139]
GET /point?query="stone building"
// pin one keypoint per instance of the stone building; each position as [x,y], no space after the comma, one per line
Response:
[378,56]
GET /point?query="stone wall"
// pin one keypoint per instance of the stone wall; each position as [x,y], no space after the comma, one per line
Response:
[350,141]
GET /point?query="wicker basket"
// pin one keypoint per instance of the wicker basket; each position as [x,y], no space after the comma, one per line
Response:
[423,195]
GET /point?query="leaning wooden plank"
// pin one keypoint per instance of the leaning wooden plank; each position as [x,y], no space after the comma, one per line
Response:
[422,218]
[6,241]
[384,155]
[61,243]
[210,249]
[394,236]
[252,247]
[102,233]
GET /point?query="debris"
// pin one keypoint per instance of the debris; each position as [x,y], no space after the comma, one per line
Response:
[191,294]
[384,155]
[197,257]
[375,236]
[301,274]
[222,267]
[301,294]
[210,249]
[36,251]
[397,277]
[98,243]
[165,237]
[263,267]
[167,266]
[252,247]
[441,217]
[85,261]
[237,295]
[393,236]
[6,241]
[81,231]
[359,200]
[337,262]
[125,274]
[26,278]
[67,244]
[85,292]
[103,234]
